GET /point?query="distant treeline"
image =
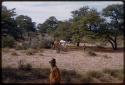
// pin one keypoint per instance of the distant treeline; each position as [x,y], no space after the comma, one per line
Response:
[86,23]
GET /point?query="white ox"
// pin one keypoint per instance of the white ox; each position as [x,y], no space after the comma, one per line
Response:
[63,45]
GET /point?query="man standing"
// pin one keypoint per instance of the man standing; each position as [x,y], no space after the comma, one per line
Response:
[54,76]
[57,46]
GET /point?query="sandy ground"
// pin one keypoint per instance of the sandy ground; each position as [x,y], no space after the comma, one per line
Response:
[77,60]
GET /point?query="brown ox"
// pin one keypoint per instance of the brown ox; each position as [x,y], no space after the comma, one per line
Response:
[57,46]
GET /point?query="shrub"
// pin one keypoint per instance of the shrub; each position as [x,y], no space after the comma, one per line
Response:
[70,75]
[8,41]
[10,75]
[14,54]
[114,72]
[41,54]
[23,66]
[91,53]
[86,78]
[106,78]
[20,47]
[31,51]
[95,74]
[45,44]
[99,46]
[5,49]
[106,56]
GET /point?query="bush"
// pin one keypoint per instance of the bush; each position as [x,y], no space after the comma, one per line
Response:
[99,46]
[91,53]
[106,56]
[114,72]
[31,51]
[96,74]
[5,50]
[23,66]
[87,78]
[14,54]
[45,44]
[8,41]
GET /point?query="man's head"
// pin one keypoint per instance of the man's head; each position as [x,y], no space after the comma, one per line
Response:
[52,62]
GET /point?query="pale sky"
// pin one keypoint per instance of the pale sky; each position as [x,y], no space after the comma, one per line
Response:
[39,11]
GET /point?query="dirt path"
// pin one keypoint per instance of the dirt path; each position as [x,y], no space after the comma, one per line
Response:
[73,60]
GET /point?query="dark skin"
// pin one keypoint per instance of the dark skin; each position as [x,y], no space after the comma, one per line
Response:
[52,64]
[55,74]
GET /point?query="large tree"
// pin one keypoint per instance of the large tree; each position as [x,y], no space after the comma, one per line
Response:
[114,27]
[84,21]
[25,24]
[9,26]
[63,31]
[49,25]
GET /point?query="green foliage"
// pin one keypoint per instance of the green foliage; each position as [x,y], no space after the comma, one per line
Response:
[9,26]
[63,31]
[110,31]
[25,23]
[7,41]
[49,25]
[83,22]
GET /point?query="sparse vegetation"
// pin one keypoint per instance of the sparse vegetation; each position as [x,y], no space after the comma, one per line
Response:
[18,75]
[5,49]
[41,54]
[106,56]
[99,46]
[86,26]
[68,76]
[14,53]
[20,47]
[31,51]
[96,74]
[92,53]
[115,73]
[8,41]
[23,66]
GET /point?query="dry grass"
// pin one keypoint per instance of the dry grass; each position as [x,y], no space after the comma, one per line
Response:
[69,60]
[106,56]
[96,74]
[115,73]
[92,53]
[14,53]
[5,49]
[17,75]
[41,50]
[67,76]
[41,54]
[27,66]
[31,51]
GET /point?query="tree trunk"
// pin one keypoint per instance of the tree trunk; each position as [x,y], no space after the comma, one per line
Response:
[77,44]
[113,43]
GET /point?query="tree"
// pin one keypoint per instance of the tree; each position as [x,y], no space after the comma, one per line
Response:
[84,22]
[27,27]
[49,25]
[25,24]
[115,27]
[63,31]
[9,26]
